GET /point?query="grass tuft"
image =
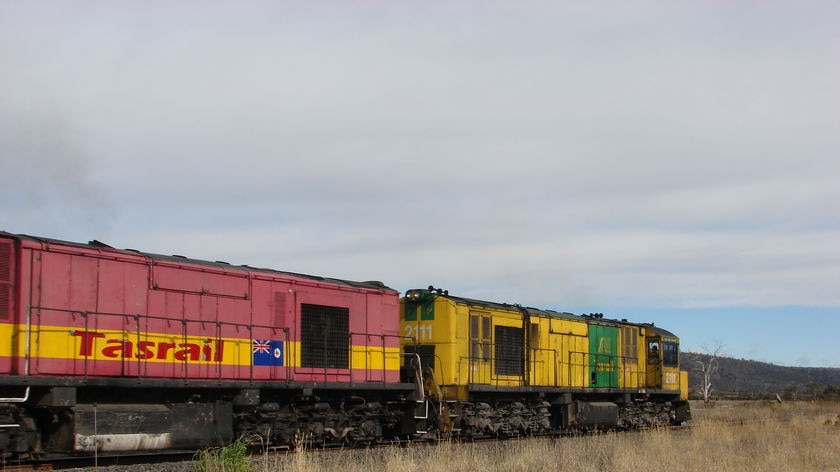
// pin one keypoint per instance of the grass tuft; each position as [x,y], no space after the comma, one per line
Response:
[231,458]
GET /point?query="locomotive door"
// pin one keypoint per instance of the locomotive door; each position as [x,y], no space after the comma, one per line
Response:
[654,362]
[603,361]
[480,340]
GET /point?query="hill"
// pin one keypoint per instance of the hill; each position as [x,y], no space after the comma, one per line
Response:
[742,378]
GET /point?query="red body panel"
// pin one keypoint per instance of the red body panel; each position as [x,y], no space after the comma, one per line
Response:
[165,317]
[8,267]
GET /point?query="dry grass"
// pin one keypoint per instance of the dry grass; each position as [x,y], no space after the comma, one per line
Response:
[727,437]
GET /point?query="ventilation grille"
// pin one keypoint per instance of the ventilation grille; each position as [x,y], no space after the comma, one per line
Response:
[5,280]
[509,353]
[325,336]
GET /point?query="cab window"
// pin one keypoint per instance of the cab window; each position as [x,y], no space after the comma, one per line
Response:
[653,352]
[670,354]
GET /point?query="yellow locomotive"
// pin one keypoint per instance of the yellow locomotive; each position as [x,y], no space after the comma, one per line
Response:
[495,369]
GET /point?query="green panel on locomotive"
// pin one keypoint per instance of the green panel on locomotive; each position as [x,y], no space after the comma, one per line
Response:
[603,357]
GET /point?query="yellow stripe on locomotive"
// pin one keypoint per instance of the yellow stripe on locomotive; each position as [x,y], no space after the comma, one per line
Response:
[68,343]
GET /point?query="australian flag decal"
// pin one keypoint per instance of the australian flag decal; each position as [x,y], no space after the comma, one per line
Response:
[267,352]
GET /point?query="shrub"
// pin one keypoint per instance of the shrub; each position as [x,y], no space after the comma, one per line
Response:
[231,458]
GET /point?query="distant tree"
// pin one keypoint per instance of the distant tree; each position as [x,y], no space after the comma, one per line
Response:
[791,391]
[814,388]
[709,370]
[831,393]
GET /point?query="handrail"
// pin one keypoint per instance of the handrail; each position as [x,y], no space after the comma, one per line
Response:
[26,353]
[22,399]
[418,374]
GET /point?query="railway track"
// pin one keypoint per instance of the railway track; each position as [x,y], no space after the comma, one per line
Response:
[183,461]
[138,462]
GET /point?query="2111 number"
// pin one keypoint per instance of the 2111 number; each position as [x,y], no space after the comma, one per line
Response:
[421,332]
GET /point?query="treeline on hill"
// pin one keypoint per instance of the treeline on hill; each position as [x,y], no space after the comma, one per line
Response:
[745,379]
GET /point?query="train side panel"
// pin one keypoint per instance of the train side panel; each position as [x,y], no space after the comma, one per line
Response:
[558,352]
[86,311]
[496,347]
[631,363]
[465,344]
[603,356]
[429,330]
[8,309]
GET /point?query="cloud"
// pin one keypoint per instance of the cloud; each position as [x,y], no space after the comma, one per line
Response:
[47,174]
[652,155]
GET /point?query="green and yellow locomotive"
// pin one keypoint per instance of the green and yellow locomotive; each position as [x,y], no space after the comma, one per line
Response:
[495,369]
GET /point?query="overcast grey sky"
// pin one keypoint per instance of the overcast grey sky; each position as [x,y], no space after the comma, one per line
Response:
[667,161]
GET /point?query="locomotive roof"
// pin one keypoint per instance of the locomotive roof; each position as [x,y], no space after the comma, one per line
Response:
[662,332]
[596,317]
[505,306]
[176,259]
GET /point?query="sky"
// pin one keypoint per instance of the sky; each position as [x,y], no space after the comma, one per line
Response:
[662,161]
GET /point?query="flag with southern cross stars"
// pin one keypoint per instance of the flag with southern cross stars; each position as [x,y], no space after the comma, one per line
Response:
[268,352]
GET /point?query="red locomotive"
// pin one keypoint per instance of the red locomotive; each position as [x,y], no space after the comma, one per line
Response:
[119,350]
